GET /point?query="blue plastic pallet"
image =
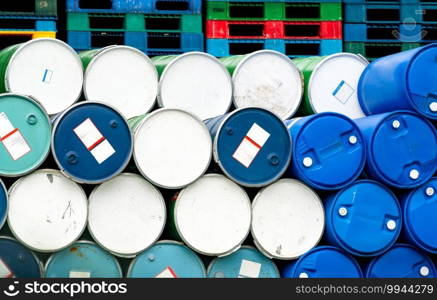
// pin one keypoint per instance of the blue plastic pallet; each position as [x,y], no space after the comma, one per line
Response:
[291,1]
[406,33]
[148,42]
[370,12]
[136,6]
[417,2]
[291,48]
[8,23]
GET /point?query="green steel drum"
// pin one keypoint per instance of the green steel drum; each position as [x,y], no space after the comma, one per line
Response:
[331,84]
[121,76]
[47,69]
[195,82]
[266,79]
[25,134]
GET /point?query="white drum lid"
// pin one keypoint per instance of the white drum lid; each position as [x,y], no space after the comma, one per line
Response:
[126,214]
[172,148]
[269,80]
[47,211]
[333,85]
[196,82]
[49,70]
[124,78]
[287,219]
[213,215]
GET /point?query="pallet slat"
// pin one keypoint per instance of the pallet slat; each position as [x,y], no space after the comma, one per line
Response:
[136,6]
[389,13]
[29,8]
[375,50]
[274,29]
[396,32]
[147,42]
[291,48]
[237,10]
[133,22]
[18,24]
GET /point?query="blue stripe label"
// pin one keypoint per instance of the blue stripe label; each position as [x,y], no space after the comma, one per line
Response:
[45,75]
[338,88]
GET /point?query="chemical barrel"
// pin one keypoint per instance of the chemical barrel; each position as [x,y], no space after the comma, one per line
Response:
[126,214]
[364,219]
[266,79]
[324,262]
[401,261]
[212,215]
[331,83]
[196,82]
[287,219]
[3,204]
[16,261]
[419,215]
[328,150]
[91,142]
[47,69]
[121,76]
[167,259]
[246,262]
[405,80]
[47,211]
[401,148]
[172,148]
[83,259]
[252,146]
[25,132]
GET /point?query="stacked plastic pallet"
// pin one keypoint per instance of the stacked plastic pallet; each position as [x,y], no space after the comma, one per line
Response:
[153,26]
[296,28]
[21,21]
[375,28]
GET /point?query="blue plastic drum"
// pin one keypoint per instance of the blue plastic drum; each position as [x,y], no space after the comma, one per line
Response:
[420,216]
[401,148]
[246,262]
[364,218]
[83,260]
[3,204]
[323,262]
[402,261]
[405,80]
[16,261]
[251,145]
[167,259]
[328,150]
[91,142]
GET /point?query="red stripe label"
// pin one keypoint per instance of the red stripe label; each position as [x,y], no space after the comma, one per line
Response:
[9,134]
[96,143]
[252,142]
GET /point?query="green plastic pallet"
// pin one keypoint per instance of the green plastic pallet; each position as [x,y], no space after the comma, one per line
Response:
[282,11]
[133,22]
[29,8]
[375,50]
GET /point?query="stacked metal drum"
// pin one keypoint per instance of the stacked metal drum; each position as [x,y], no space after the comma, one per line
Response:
[257,166]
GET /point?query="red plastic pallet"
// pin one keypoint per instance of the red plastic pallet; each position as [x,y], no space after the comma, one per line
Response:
[311,30]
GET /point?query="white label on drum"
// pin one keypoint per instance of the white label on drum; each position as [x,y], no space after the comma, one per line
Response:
[79,274]
[343,92]
[12,138]
[249,269]
[94,141]
[167,273]
[249,147]
[5,272]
